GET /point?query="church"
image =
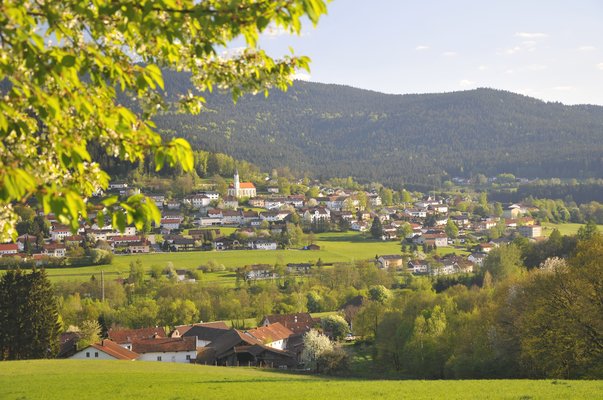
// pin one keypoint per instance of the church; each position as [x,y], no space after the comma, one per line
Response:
[241,189]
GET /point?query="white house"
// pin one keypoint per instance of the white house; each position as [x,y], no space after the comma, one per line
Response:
[359,226]
[211,195]
[59,233]
[55,250]
[264,245]
[182,349]
[532,231]
[105,350]
[273,216]
[274,203]
[477,258]
[416,213]
[274,335]
[419,267]
[215,213]
[317,214]
[231,217]
[230,202]
[173,205]
[208,221]
[197,201]
[8,248]
[170,223]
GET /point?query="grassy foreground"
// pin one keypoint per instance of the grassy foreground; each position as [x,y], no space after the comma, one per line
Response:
[82,380]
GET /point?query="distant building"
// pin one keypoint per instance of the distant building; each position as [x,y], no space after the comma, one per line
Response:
[533,231]
[241,189]
[390,261]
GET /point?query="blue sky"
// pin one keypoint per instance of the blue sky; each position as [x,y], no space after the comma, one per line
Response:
[551,50]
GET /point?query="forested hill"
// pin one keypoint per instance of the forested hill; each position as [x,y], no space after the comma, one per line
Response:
[333,130]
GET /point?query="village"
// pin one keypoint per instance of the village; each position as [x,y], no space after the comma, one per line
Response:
[269,221]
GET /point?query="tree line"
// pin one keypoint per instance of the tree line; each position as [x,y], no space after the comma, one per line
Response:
[533,310]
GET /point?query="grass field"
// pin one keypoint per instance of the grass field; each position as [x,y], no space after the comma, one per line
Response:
[335,247]
[93,380]
[564,229]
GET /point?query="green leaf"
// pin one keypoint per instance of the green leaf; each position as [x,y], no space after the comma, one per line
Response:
[68,61]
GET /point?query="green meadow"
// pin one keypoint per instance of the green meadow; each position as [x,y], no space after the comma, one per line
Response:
[564,229]
[93,380]
[334,247]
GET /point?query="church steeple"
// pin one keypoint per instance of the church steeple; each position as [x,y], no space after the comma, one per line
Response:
[237,185]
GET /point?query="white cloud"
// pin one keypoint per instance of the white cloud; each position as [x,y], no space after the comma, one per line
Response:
[563,88]
[586,48]
[512,50]
[421,47]
[302,76]
[466,82]
[600,66]
[482,68]
[531,35]
[450,54]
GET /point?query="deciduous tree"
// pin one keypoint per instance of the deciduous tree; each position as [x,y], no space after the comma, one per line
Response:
[64,62]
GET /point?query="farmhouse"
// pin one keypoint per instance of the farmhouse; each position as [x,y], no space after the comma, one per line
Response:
[105,350]
[125,337]
[273,335]
[166,349]
[235,348]
[299,323]
[204,333]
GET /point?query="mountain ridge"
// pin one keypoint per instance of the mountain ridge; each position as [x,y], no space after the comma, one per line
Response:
[330,130]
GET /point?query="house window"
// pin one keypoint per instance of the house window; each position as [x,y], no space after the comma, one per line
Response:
[158,358]
[88,354]
[96,354]
[188,357]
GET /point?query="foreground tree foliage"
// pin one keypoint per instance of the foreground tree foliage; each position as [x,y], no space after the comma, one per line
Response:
[62,64]
[29,320]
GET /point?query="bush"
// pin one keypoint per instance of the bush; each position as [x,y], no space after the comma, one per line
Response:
[334,362]
[335,326]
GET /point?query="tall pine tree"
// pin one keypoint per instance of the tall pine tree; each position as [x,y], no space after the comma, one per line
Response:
[377,228]
[29,320]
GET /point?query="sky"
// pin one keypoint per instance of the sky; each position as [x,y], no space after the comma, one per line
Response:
[548,49]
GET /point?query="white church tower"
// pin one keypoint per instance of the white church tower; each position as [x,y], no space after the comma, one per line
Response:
[237,184]
[241,189]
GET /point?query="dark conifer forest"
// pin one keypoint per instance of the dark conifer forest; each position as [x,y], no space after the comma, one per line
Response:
[332,130]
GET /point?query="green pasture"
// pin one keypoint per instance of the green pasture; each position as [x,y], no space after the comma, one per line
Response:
[334,247]
[93,380]
[564,229]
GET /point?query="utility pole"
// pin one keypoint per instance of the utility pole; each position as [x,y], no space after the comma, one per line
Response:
[103,286]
